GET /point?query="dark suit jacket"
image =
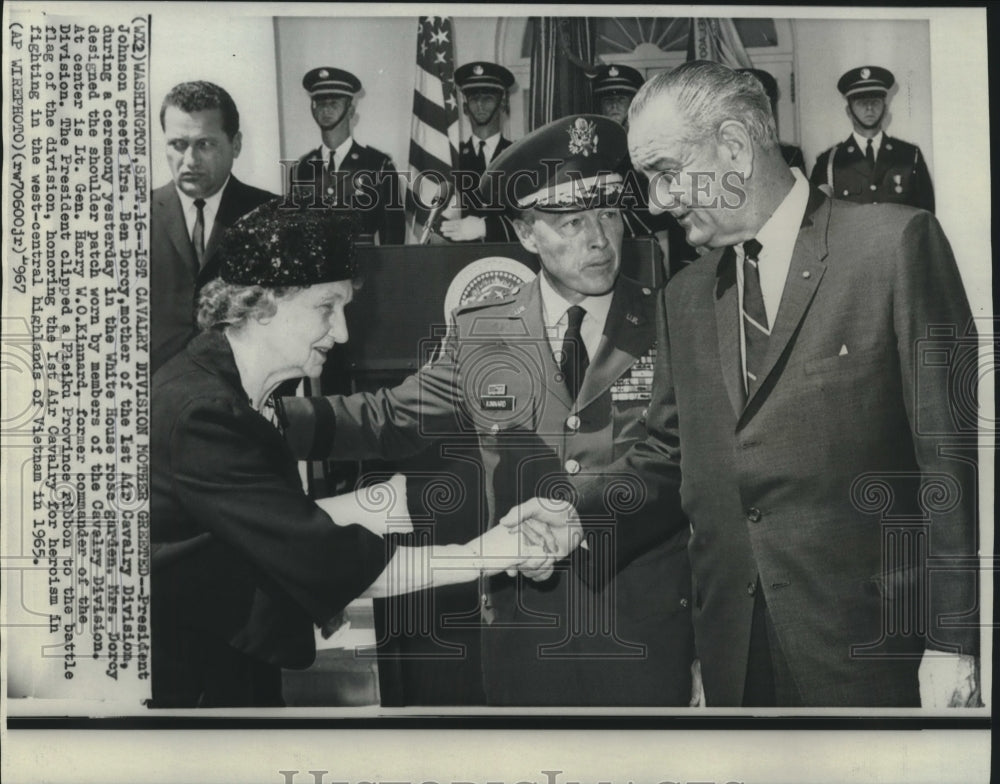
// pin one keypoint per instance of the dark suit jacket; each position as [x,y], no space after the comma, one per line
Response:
[900,175]
[240,556]
[809,484]
[498,226]
[175,276]
[366,182]
[536,647]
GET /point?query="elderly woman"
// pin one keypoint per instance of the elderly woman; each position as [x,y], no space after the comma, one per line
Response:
[244,563]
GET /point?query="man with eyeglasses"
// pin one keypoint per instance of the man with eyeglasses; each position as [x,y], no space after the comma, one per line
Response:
[870,166]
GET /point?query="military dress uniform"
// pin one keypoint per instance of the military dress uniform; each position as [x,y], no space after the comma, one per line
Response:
[498,226]
[473,77]
[899,174]
[365,181]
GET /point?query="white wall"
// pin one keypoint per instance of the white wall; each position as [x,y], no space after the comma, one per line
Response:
[235,52]
[825,49]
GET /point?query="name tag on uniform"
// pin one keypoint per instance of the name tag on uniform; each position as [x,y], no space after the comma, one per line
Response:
[497,402]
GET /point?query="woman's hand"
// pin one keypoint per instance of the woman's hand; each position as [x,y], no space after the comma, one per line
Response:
[504,549]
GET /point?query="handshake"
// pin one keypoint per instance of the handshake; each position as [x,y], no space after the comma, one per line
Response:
[531,537]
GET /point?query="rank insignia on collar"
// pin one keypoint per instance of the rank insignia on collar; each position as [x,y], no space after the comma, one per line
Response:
[632,319]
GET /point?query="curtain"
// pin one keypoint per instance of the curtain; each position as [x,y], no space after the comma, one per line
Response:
[561,56]
[717,40]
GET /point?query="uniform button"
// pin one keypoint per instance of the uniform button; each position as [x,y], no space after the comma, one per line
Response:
[645,413]
[806,274]
[684,602]
[873,187]
[573,423]
[751,588]
[753,514]
[845,191]
[572,466]
[647,292]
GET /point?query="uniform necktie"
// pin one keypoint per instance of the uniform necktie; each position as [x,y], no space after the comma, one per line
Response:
[575,360]
[482,154]
[756,330]
[870,155]
[198,235]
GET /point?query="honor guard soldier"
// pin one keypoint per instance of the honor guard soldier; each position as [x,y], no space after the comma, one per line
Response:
[614,86]
[870,166]
[792,154]
[553,382]
[341,173]
[485,100]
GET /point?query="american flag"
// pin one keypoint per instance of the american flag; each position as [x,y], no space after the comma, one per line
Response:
[434,130]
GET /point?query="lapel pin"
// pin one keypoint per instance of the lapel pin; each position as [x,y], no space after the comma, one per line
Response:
[806,274]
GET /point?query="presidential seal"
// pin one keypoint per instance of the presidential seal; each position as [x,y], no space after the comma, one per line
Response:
[486,279]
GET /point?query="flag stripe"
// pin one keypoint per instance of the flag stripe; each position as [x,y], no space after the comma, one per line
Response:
[423,161]
[434,126]
[429,112]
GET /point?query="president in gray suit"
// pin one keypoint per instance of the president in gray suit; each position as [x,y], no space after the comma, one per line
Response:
[189,214]
[813,414]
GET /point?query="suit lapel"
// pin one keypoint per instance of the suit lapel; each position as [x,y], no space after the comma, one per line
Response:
[231,209]
[854,157]
[629,332]
[804,275]
[173,220]
[727,328]
[534,325]
[884,159]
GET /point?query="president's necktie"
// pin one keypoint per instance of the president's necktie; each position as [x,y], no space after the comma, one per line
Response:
[756,330]
[198,234]
[574,353]
[870,155]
